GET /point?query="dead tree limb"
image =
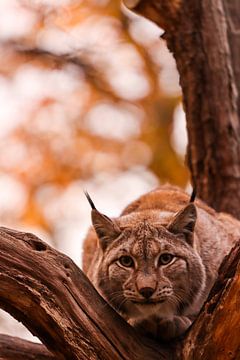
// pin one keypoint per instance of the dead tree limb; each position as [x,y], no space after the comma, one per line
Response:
[204,38]
[13,348]
[47,292]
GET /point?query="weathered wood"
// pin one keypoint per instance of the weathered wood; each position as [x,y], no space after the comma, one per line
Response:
[197,32]
[13,348]
[47,292]
[232,10]
[55,301]
[216,332]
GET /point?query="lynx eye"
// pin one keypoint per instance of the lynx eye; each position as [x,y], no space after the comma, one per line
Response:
[165,259]
[126,261]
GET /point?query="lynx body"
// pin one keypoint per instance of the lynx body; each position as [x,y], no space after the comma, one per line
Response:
[156,263]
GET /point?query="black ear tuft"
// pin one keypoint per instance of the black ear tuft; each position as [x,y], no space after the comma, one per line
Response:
[193,196]
[90,200]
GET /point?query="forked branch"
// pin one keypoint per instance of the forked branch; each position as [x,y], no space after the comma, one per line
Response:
[50,295]
[46,291]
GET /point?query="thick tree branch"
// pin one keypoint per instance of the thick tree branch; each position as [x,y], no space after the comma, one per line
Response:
[216,333]
[48,293]
[198,34]
[13,348]
[55,301]
[232,10]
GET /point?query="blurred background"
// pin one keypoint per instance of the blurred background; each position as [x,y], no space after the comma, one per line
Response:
[89,100]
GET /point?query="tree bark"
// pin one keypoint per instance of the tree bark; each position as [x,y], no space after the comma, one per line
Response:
[204,38]
[13,348]
[46,291]
[216,332]
[232,10]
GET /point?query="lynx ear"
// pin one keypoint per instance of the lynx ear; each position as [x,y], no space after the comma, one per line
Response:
[184,222]
[105,228]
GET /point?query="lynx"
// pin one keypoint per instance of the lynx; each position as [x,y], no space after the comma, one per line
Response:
[156,263]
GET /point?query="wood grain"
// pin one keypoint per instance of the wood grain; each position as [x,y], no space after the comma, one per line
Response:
[50,295]
[13,348]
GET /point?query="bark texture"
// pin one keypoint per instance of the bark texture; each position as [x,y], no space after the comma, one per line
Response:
[204,38]
[216,332]
[13,348]
[232,11]
[52,297]
[47,292]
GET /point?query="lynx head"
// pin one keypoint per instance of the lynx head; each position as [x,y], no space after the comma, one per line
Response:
[146,262]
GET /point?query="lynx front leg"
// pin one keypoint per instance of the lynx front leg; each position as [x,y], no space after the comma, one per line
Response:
[165,328]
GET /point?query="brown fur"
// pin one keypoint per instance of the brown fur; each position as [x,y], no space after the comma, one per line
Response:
[157,298]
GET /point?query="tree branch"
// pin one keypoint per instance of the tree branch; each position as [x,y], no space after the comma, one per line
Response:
[197,33]
[216,332]
[232,10]
[46,291]
[13,348]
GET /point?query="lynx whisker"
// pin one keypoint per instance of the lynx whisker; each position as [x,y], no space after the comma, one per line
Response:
[111,298]
[121,304]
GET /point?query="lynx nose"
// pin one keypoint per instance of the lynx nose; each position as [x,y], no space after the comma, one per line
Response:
[146,292]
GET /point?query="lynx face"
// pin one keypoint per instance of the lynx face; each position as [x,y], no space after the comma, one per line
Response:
[148,268]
